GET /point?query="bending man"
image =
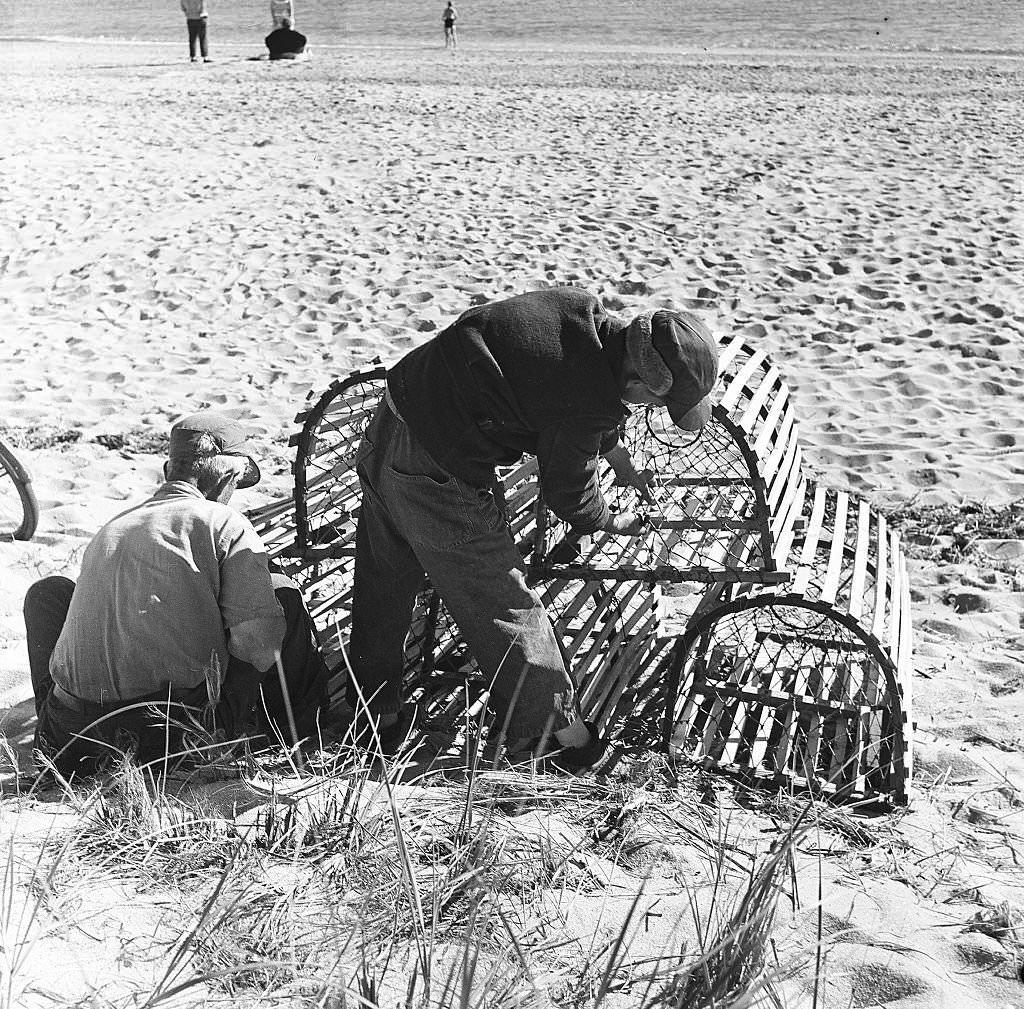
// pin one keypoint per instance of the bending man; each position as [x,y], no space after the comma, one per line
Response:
[547,373]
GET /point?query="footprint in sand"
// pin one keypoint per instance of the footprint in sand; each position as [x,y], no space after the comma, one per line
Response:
[872,293]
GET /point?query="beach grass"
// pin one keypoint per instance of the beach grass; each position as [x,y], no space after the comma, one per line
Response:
[360,888]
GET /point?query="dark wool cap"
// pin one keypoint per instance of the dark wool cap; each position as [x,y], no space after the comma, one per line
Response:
[677,357]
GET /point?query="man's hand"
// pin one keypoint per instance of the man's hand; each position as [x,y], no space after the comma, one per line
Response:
[625,524]
[257,641]
[626,474]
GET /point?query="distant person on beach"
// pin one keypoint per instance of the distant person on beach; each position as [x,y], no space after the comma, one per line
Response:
[279,10]
[195,17]
[547,373]
[285,43]
[176,617]
[448,19]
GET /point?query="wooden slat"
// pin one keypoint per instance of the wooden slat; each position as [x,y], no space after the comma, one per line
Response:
[729,351]
[810,544]
[757,401]
[904,667]
[622,669]
[801,702]
[701,671]
[605,602]
[785,534]
[813,718]
[763,711]
[604,643]
[904,675]
[895,597]
[796,751]
[768,433]
[737,385]
[631,669]
[721,547]
[339,484]
[830,586]
[734,742]
[838,694]
[712,740]
[861,550]
[870,726]
[782,507]
[778,477]
[882,572]
[524,470]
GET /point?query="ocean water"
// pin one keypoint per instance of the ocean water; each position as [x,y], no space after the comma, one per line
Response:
[987,26]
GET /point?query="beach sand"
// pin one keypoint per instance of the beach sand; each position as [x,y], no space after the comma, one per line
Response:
[236,234]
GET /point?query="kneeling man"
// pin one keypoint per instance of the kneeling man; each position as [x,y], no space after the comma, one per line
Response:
[175,610]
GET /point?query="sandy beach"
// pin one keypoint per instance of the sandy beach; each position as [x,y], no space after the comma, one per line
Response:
[237,234]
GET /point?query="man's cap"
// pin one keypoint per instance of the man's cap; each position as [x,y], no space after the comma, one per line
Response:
[227,435]
[677,358]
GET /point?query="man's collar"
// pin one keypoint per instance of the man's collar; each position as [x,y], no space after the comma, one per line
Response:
[179,488]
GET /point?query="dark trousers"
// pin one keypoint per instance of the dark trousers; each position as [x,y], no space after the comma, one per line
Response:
[79,734]
[196,33]
[417,517]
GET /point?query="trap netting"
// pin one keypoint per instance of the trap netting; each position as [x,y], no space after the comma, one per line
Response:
[708,517]
[782,690]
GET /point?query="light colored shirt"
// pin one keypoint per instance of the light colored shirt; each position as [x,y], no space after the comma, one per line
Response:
[194,9]
[160,586]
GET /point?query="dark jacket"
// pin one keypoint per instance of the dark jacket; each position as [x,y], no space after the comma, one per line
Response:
[537,373]
[285,40]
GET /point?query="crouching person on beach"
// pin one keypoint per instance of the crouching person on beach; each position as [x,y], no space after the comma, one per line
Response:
[285,43]
[175,612]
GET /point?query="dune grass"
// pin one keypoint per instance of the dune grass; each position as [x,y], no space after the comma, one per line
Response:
[364,889]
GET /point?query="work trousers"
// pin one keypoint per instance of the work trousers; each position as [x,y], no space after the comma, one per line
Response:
[416,517]
[79,734]
[196,34]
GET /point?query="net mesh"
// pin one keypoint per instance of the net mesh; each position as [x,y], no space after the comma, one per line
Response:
[704,515]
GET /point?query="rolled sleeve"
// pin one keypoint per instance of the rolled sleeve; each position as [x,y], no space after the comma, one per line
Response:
[246,586]
[610,440]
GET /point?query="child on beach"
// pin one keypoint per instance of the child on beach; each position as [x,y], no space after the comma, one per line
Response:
[448,18]
[279,11]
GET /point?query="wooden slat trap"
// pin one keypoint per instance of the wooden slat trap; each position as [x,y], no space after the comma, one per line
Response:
[795,665]
[806,683]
